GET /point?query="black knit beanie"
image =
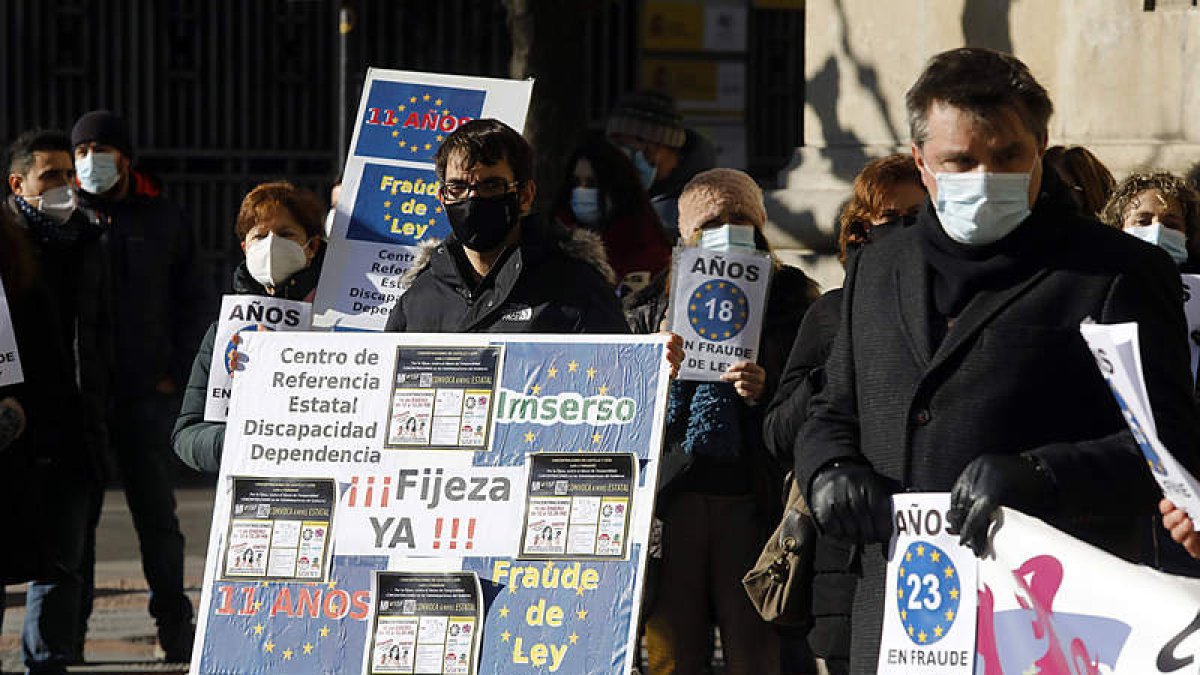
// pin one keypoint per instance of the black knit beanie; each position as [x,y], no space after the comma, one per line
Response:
[650,116]
[103,126]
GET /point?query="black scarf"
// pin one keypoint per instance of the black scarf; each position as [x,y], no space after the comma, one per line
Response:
[958,271]
[79,228]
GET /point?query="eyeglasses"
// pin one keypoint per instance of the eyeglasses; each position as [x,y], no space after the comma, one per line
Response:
[457,190]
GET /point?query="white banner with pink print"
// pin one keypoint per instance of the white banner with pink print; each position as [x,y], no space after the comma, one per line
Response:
[1053,605]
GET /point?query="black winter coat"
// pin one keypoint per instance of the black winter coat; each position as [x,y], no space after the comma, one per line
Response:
[54,454]
[163,302]
[198,442]
[554,281]
[1012,375]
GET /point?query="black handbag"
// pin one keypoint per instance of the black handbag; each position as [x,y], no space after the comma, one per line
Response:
[780,583]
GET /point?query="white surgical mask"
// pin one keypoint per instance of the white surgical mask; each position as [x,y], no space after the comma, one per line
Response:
[981,208]
[97,172]
[273,259]
[585,204]
[727,238]
[58,203]
[1172,241]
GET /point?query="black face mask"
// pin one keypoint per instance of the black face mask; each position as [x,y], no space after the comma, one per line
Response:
[482,224]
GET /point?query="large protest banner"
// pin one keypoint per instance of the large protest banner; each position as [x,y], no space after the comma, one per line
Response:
[364,472]
[1052,604]
[10,360]
[389,203]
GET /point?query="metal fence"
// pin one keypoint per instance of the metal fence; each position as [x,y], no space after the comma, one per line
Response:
[224,94]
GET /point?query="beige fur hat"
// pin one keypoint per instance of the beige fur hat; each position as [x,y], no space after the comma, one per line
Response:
[708,193]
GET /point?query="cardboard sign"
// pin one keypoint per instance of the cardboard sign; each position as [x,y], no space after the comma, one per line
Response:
[929,607]
[389,204]
[717,304]
[242,314]
[582,414]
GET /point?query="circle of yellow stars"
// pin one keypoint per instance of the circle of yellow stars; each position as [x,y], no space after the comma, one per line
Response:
[737,326]
[272,647]
[552,373]
[948,573]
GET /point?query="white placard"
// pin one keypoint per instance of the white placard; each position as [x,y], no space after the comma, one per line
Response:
[389,204]
[10,360]
[1117,355]
[930,603]
[717,305]
[241,314]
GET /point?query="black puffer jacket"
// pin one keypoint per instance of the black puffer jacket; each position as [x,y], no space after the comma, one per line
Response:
[164,305]
[198,442]
[554,281]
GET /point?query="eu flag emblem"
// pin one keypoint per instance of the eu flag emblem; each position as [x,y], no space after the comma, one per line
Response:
[409,121]
[927,593]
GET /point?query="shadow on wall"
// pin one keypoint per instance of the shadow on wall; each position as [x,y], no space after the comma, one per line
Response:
[986,23]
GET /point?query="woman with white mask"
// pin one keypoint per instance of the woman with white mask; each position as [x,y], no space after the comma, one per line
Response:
[1159,208]
[281,230]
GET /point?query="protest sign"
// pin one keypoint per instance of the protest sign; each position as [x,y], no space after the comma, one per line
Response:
[717,303]
[241,314]
[389,204]
[1117,354]
[425,622]
[1191,310]
[312,409]
[10,359]
[1049,603]
[929,606]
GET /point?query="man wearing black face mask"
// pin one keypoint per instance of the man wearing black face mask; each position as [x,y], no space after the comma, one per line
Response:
[503,270]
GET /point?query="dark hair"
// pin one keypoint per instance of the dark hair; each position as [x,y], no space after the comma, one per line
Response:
[267,198]
[20,153]
[487,141]
[621,191]
[1193,176]
[1090,181]
[982,82]
[871,187]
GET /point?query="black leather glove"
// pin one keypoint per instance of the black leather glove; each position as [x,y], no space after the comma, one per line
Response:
[991,481]
[852,503]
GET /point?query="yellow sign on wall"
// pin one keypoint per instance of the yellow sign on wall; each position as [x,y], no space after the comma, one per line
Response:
[672,26]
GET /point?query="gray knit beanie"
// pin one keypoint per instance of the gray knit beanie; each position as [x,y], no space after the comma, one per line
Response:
[650,116]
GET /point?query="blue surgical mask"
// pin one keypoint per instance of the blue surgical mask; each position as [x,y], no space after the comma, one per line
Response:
[977,209]
[728,238]
[1173,242]
[585,204]
[97,172]
[646,171]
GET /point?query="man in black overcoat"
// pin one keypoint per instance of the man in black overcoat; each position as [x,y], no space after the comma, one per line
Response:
[959,367]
